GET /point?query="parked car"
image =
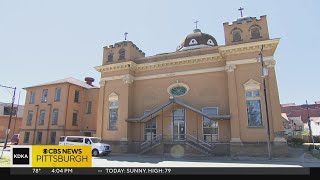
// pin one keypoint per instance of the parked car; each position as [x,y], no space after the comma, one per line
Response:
[97,147]
[15,139]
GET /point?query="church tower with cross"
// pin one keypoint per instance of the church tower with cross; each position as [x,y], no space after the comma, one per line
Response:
[121,51]
[246,29]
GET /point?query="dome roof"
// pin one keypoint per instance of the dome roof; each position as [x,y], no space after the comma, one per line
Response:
[197,40]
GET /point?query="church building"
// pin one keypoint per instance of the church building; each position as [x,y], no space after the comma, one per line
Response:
[203,98]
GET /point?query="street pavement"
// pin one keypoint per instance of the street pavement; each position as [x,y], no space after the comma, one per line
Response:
[298,157]
[134,160]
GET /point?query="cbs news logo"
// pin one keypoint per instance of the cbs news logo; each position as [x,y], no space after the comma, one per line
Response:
[51,156]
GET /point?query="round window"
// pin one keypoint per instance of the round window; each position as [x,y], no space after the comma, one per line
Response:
[178,91]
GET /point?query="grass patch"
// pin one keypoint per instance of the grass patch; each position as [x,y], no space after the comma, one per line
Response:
[5,161]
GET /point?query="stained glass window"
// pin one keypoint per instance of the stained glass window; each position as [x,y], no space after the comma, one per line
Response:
[254,108]
[178,91]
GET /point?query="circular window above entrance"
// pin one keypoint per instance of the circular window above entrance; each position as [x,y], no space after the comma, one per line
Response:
[178,89]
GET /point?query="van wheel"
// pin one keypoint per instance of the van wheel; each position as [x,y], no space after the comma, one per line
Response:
[95,152]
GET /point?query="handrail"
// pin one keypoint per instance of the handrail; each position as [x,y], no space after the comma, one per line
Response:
[206,145]
[156,139]
[149,142]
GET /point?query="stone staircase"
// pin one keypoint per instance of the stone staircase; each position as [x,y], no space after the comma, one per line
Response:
[150,144]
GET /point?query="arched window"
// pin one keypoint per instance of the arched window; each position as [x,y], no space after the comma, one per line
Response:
[255,32]
[122,54]
[236,35]
[110,57]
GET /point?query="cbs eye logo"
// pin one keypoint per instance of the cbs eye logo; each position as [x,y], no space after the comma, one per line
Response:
[21,156]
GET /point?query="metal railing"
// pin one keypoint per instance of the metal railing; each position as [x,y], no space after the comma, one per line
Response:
[207,146]
[195,141]
[154,140]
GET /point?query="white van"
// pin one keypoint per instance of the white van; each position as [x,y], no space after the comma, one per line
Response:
[97,146]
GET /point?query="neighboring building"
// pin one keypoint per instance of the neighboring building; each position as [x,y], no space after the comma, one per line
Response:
[301,111]
[59,108]
[15,125]
[202,98]
[315,126]
[286,124]
[217,100]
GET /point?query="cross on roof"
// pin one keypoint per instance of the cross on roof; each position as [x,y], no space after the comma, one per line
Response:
[125,36]
[241,9]
[196,22]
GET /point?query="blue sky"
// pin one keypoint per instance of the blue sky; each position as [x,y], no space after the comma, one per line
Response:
[43,41]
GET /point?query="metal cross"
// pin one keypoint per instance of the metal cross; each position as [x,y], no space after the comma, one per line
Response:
[241,9]
[125,36]
[196,22]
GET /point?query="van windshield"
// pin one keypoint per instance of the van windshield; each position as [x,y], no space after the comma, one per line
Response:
[96,140]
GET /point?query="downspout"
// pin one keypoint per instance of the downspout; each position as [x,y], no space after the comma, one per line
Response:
[35,125]
[65,116]
[50,105]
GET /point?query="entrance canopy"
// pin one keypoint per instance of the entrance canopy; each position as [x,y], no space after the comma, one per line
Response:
[156,112]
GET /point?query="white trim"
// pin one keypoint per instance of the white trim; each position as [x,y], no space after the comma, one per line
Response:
[215,121]
[113,97]
[210,42]
[198,71]
[229,47]
[113,78]
[178,84]
[193,42]
[251,85]
[249,61]
[199,46]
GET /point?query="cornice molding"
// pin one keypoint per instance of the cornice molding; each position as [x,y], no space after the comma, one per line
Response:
[117,66]
[157,76]
[160,64]
[180,62]
[248,47]
[215,57]
[249,61]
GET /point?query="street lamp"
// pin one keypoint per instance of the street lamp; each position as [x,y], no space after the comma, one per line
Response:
[11,112]
[264,74]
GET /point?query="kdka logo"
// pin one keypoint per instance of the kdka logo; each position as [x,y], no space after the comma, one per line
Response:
[20,156]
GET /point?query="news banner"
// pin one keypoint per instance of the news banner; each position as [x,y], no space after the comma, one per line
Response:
[77,160]
[44,160]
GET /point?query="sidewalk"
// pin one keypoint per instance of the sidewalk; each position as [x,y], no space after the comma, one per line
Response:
[296,156]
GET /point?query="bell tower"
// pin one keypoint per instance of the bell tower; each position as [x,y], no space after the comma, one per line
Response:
[121,52]
[246,29]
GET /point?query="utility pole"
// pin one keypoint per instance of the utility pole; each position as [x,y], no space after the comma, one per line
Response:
[15,120]
[11,112]
[309,124]
[264,74]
